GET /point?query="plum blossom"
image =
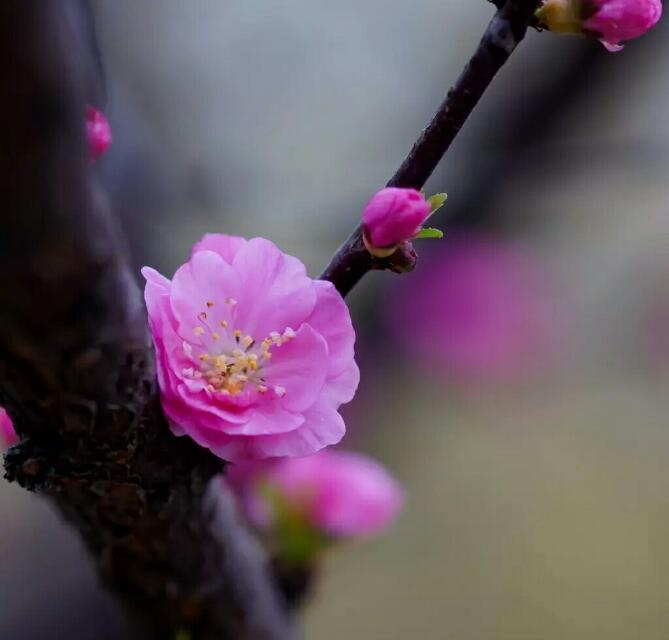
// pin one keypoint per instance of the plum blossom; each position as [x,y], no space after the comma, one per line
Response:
[611,21]
[8,436]
[394,215]
[339,494]
[254,358]
[98,132]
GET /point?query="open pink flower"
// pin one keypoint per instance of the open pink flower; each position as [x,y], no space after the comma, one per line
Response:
[8,436]
[254,358]
[394,215]
[98,132]
[339,494]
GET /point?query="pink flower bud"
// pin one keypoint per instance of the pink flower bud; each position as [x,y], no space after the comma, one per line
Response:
[254,358]
[8,436]
[394,215]
[98,132]
[612,21]
[336,493]
[616,21]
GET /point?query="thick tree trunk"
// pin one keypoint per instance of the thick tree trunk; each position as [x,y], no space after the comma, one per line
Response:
[76,366]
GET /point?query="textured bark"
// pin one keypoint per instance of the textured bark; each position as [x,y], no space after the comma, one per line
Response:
[504,33]
[76,367]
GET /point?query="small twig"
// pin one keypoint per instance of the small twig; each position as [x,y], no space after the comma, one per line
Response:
[505,31]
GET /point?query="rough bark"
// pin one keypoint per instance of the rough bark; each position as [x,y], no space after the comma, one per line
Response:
[76,367]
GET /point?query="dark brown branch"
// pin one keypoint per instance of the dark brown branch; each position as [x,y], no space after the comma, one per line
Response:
[505,31]
[76,368]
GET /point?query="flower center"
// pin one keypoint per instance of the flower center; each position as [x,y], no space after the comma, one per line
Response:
[228,358]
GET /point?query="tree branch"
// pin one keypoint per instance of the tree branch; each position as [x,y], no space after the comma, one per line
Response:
[505,31]
[76,367]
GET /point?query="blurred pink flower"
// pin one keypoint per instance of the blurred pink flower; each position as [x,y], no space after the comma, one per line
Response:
[616,21]
[394,215]
[338,494]
[98,132]
[254,358]
[478,310]
[8,437]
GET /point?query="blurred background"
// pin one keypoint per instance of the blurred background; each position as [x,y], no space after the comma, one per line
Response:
[515,383]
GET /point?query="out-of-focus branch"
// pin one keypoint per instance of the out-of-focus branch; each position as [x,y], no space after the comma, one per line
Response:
[505,31]
[76,367]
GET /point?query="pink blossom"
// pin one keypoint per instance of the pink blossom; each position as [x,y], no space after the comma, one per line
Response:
[254,358]
[339,494]
[612,21]
[8,436]
[98,132]
[394,215]
[616,21]
[479,311]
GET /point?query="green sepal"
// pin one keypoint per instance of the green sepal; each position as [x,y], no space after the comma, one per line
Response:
[293,538]
[429,232]
[437,201]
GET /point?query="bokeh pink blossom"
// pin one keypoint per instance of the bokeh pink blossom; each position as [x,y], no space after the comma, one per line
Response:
[478,310]
[338,493]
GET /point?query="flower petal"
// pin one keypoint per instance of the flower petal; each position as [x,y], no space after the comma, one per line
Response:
[332,319]
[204,279]
[275,292]
[299,368]
[156,291]
[212,414]
[323,426]
[357,496]
[341,388]
[268,420]
[225,246]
